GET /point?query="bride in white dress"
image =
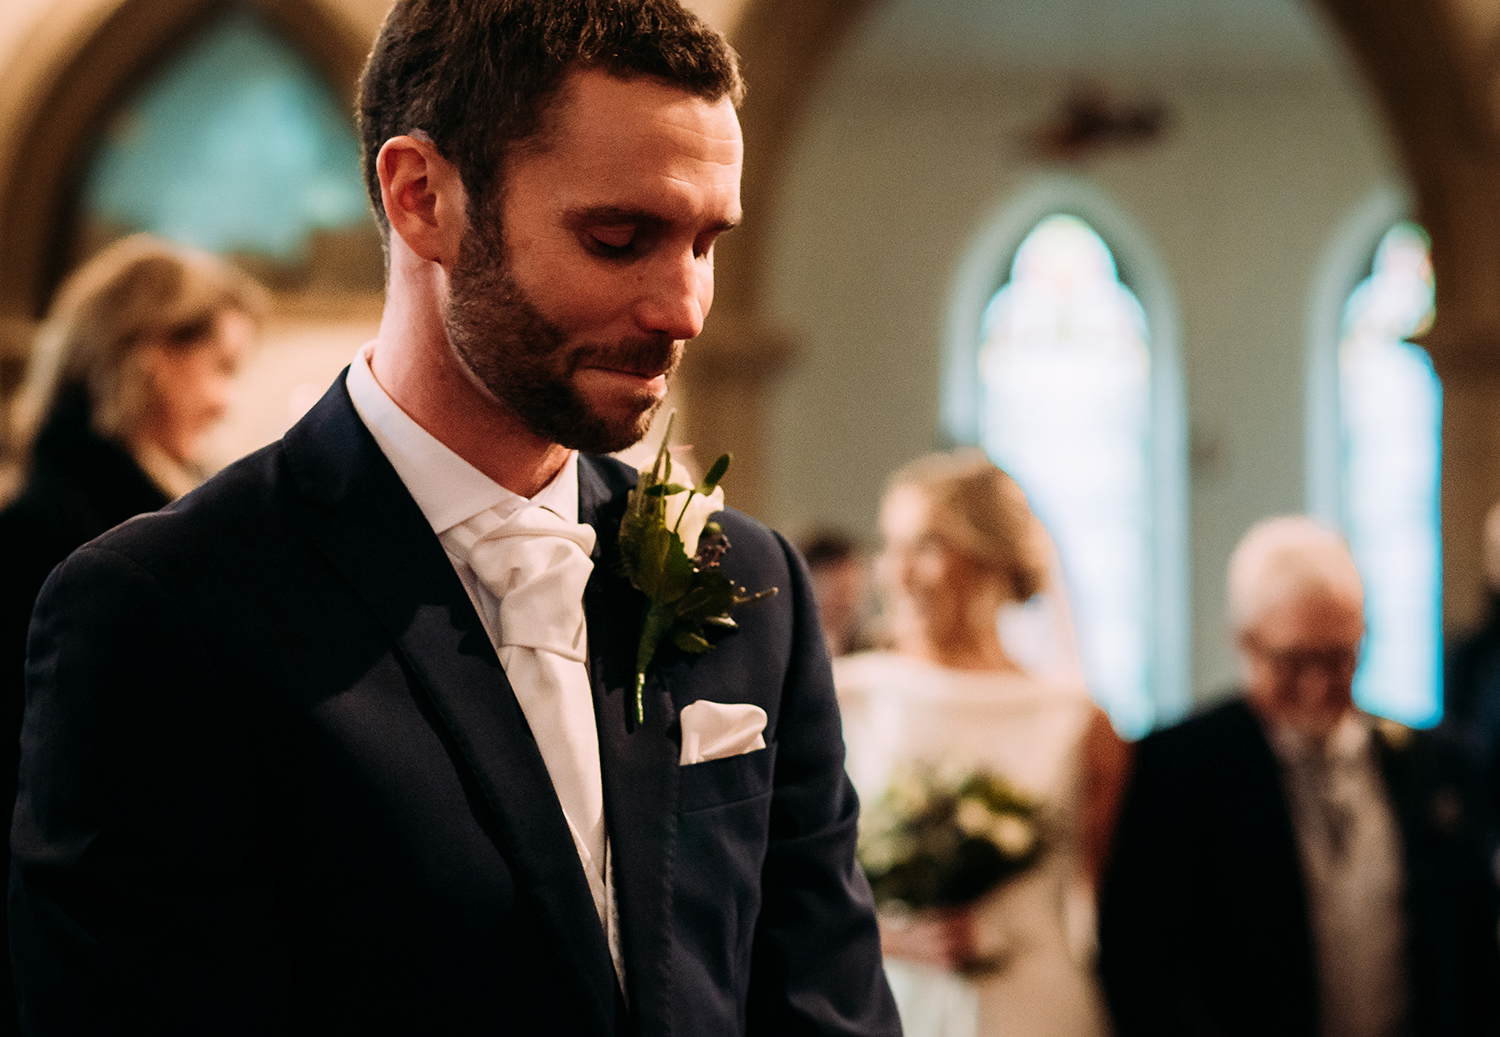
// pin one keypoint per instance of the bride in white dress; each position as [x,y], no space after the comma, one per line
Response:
[960,543]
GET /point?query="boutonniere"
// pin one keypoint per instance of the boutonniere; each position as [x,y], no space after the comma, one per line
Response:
[670,552]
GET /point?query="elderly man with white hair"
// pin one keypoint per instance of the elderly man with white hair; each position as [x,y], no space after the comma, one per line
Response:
[1286,865]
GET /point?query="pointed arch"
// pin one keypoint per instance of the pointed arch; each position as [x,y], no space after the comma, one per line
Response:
[78,63]
[1154,686]
[1374,406]
[1343,264]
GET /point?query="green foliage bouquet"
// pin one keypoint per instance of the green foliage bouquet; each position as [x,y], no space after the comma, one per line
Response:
[930,843]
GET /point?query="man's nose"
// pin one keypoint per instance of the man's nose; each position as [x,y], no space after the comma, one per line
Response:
[677,296]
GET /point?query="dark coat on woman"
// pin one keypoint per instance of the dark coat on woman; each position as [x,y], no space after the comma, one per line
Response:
[78,485]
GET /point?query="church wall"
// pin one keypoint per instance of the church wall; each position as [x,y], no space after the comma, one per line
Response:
[896,170]
[888,176]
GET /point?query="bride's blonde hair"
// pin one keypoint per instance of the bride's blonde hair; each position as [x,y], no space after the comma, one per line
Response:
[980,512]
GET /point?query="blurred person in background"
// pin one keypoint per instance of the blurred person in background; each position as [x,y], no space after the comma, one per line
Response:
[840,582]
[1286,864]
[129,372]
[960,542]
[1471,686]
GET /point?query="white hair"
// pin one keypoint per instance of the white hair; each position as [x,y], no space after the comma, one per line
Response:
[1284,558]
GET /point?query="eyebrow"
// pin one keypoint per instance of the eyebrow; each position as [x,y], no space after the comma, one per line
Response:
[612,214]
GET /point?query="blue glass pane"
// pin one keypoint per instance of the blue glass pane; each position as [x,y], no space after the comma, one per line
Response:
[1391,407]
[237,145]
[1065,371]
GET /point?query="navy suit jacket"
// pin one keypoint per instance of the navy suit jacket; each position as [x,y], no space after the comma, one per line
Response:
[1204,927]
[274,780]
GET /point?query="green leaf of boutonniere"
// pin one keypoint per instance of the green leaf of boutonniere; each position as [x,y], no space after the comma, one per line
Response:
[670,552]
[714,475]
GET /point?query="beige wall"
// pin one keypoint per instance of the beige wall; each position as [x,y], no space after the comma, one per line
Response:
[896,170]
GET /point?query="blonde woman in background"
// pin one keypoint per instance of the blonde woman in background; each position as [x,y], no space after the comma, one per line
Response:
[960,543]
[129,372]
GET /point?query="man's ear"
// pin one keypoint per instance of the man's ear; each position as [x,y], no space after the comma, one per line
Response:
[424,198]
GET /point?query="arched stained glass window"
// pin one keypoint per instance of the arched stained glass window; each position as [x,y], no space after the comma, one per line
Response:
[1065,375]
[1390,404]
[238,146]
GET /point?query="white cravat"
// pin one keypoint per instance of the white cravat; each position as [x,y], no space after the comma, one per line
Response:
[524,564]
[532,568]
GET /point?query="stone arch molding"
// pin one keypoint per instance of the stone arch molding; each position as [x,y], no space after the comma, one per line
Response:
[73,63]
[1345,261]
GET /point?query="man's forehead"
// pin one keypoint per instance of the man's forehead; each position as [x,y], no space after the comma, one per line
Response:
[1310,615]
[594,107]
[639,146]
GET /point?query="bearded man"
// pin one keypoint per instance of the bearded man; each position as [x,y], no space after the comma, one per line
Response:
[348,740]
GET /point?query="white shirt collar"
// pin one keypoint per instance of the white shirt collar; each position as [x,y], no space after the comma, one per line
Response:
[447,488]
[1347,743]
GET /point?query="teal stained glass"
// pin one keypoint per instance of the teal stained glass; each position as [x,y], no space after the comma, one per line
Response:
[1391,407]
[236,146]
[1065,369]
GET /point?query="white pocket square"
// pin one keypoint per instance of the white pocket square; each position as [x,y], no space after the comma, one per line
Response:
[714,730]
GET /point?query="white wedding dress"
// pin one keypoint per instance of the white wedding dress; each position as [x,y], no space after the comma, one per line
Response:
[1040,926]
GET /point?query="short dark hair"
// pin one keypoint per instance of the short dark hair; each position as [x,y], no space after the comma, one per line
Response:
[829,547]
[479,76]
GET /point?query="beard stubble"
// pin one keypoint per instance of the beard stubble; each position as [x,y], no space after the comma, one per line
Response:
[524,360]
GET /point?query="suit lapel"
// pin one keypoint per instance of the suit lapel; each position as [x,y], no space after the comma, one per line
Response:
[376,537]
[639,764]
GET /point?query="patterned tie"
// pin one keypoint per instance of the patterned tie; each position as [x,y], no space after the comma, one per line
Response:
[534,565]
[1328,816]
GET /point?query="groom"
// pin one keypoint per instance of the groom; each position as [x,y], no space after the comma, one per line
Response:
[346,741]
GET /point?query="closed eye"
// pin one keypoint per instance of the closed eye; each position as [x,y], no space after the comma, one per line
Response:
[615,233]
[612,242]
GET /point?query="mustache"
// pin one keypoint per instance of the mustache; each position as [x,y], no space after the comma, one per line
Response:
[650,355]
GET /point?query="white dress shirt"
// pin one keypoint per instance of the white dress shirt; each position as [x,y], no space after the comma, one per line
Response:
[454,497]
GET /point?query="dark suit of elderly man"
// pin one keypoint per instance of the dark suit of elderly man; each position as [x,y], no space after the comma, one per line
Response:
[1286,865]
[347,740]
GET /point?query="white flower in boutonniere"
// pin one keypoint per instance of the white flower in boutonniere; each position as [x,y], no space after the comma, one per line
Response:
[686,590]
[688,512]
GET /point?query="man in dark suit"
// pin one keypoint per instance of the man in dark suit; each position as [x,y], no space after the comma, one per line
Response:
[1286,866]
[347,740]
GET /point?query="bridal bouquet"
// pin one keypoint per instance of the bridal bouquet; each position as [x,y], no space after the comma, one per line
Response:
[935,843]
